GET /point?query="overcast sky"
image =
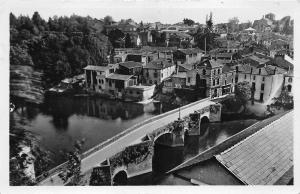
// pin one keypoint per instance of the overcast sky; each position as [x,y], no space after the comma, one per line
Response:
[170,11]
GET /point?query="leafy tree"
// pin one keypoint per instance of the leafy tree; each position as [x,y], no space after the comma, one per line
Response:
[108,20]
[209,22]
[128,43]
[18,138]
[284,101]
[188,22]
[243,93]
[72,173]
[233,24]
[115,36]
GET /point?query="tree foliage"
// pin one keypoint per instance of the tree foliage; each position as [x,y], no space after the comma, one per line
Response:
[284,101]
[59,47]
[243,93]
[233,24]
[72,173]
[188,22]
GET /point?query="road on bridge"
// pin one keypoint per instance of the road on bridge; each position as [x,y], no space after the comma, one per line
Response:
[96,158]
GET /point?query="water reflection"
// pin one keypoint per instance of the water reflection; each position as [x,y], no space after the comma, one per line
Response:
[60,121]
[61,108]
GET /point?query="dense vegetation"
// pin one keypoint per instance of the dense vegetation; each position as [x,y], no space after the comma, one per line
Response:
[59,47]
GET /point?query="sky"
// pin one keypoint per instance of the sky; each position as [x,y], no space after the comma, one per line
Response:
[169,11]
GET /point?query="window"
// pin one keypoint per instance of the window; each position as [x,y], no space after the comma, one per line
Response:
[214,72]
[254,77]
[290,80]
[162,75]
[155,75]
[245,76]
[262,87]
[259,71]
[189,80]
[253,86]
[263,79]
[218,81]
[203,71]
[109,83]
[218,71]
[213,82]
[289,87]
[100,88]
[225,82]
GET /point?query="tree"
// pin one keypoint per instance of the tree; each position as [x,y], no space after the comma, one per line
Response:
[128,43]
[233,24]
[114,37]
[188,22]
[243,93]
[284,101]
[72,173]
[209,22]
[108,20]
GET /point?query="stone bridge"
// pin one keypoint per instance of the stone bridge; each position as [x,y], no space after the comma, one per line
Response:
[137,159]
[130,152]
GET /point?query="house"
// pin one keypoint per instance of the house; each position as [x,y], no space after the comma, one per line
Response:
[209,73]
[141,56]
[265,80]
[155,72]
[117,83]
[190,55]
[288,83]
[228,79]
[131,68]
[177,80]
[139,92]
[95,76]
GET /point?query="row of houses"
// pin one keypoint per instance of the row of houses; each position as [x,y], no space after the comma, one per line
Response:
[212,74]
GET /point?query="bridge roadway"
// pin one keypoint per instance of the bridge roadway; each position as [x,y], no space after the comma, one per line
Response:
[95,158]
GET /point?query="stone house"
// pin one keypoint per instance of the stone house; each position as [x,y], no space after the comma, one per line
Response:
[155,72]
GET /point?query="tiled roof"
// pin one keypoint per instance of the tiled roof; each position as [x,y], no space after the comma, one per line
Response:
[180,75]
[131,64]
[116,76]
[215,63]
[265,156]
[227,68]
[96,68]
[282,63]
[211,63]
[190,51]
[187,66]
[158,64]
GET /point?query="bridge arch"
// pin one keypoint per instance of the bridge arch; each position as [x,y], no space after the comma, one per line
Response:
[162,135]
[204,123]
[120,177]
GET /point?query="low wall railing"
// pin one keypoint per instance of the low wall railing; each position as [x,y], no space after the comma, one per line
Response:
[98,147]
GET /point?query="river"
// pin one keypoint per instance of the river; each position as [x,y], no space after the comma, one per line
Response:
[60,121]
